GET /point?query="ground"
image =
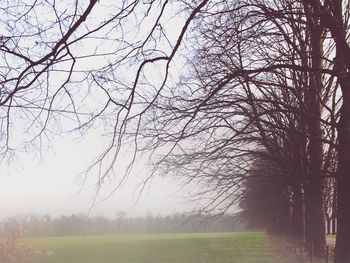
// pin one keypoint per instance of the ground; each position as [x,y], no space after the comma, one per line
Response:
[163,248]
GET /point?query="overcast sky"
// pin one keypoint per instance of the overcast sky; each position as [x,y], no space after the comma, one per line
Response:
[50,186]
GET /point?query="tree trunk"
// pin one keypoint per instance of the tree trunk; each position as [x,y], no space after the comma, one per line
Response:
[329,224]
[334,211]
[334,225]
[315,209]
[298,221]
[315,218]
[342,66]
[342,249]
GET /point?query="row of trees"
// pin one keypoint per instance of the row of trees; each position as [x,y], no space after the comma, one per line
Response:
[37,226]
[264,97]
[270,202]
[263,102]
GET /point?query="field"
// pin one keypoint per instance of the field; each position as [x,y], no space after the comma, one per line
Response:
[172,248]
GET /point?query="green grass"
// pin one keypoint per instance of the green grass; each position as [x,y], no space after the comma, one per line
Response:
[164,248]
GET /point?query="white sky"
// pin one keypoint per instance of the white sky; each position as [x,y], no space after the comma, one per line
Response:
[50,186]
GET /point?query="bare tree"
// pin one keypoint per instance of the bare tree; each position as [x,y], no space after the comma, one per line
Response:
[262,80]
[56,58]
[258,84]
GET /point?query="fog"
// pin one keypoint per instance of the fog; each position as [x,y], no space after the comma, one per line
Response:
[50,184]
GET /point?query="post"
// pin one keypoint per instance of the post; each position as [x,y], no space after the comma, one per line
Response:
[327,254]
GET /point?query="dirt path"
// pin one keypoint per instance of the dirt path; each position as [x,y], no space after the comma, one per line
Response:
[285,251]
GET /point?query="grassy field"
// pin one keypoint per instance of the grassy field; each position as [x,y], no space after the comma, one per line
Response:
[164,248]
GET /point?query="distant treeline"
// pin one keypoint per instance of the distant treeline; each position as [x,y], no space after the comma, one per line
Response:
[34,225]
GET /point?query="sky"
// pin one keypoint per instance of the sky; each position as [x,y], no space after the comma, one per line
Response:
[48,184]
[51,185]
